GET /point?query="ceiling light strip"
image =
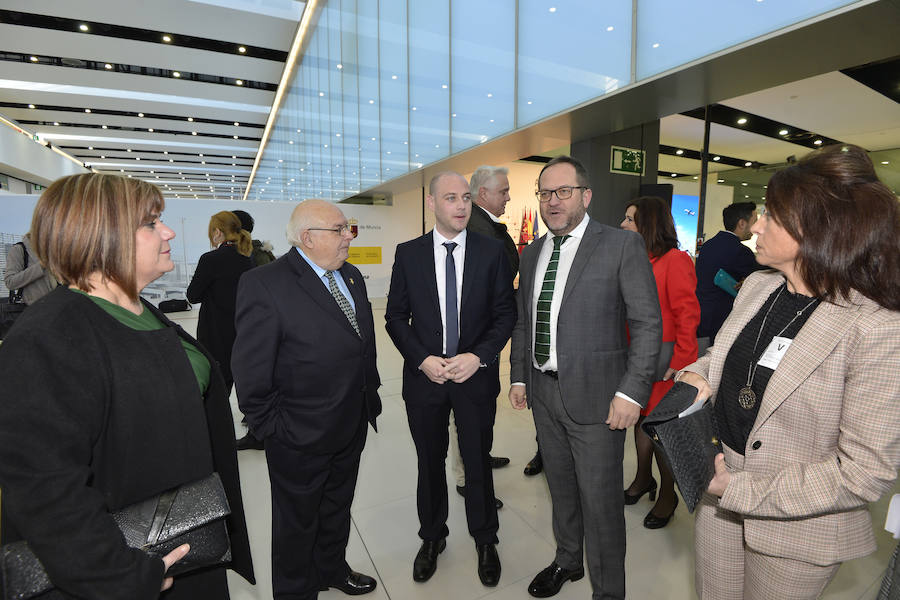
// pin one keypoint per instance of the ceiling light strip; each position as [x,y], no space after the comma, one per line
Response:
[34,138]
[286,75]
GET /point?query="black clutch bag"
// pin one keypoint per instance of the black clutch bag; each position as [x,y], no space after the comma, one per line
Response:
[193,513]
[689,443]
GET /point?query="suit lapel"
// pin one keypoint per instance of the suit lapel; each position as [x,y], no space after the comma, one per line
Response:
[815,341]
[582,258]
[474,251]
[427,268]
[315,289]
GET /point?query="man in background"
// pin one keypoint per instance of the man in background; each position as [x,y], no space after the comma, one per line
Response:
[489,188]
[724,251]
[304,369]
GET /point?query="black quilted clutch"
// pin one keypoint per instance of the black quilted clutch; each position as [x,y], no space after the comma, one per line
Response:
[193,513]
[690,443]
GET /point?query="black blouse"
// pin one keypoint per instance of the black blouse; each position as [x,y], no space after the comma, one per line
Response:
[734,421]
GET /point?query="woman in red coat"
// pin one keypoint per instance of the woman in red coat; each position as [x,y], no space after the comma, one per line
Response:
[676,281]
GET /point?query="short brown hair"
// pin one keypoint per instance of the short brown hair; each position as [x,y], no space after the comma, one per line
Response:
[86,224]
[581,174]
[846,222]
[653,219]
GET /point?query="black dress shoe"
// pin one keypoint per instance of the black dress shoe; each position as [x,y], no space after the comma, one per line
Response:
[535,465]
[250,442]
[650,489]
[355,584]
[498,461]
[426,559]
[549,581]
[651,521]
[488,564]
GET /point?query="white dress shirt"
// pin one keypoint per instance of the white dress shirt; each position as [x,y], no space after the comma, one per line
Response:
[440,272]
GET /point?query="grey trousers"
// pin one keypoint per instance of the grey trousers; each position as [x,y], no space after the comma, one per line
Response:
[583,463]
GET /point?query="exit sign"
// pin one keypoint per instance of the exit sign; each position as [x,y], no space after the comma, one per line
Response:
[626,161]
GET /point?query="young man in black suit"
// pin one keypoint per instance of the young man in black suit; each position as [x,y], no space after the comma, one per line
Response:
[450,311]
[304,368]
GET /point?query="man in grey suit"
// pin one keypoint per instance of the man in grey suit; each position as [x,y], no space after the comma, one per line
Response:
[579,286]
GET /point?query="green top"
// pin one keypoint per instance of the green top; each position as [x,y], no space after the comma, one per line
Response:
[147,321]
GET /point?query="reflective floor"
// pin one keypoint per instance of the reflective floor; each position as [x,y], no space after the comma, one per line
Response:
[383,540]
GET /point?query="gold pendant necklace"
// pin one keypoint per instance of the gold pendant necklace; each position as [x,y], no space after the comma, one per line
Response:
[746,396]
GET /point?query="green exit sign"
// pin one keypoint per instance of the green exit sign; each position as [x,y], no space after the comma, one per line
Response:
[626,161]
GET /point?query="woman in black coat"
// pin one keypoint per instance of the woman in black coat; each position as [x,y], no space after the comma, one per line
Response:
[106,403]
[214,286]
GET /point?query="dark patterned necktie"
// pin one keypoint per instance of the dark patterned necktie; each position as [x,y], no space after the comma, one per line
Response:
[342,301]
[451,317]
[542,322]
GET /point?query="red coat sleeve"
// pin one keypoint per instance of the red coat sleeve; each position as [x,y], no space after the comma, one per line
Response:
[681,283]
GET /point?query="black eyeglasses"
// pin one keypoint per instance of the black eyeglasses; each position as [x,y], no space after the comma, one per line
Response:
[563,192]
[342,230]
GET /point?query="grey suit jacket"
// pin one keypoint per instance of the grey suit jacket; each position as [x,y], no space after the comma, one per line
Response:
[610,285]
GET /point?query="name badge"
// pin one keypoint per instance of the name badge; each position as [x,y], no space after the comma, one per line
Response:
[775,352]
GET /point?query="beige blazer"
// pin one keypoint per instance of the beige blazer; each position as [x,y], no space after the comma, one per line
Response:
[826,441]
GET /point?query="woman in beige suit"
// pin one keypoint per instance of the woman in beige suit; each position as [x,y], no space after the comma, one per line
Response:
[805,376]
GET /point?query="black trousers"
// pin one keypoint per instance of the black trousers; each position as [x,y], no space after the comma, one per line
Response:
[428,422]
[311,497]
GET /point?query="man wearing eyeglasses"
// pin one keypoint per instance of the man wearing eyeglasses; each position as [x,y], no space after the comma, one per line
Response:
[450,312]
[571,361]
[305,374]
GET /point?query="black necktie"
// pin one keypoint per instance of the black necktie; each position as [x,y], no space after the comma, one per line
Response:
[451,317]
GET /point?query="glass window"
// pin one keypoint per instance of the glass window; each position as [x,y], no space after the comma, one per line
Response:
[429,70]
[483,47]
[570,52]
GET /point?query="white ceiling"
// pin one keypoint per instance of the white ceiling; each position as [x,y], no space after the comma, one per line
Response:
[831,104]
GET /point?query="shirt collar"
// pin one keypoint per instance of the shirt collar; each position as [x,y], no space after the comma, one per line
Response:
[439,240]
[578,232]
[320,272]
[489,214]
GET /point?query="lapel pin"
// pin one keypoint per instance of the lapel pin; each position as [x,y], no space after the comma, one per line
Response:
[351,281]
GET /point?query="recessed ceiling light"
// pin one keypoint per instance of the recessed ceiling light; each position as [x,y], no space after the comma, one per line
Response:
[137,158]
[140,114]
[742,120]
[87,110]
[748,164]
[83,27]
[150,130]
[885,162]
[167,38]
[237,124]
[34,59]
[818,142]
[720,180]
[242,49]
[414,108]
[235,137]
[744,183]
[90,147]
[783,132]
[31,106]
[193,133]
[240,82]
[290,141]
[102,157]
[674,174]
[610,28]
[443,86]
[370,102]
[107,66]
[104,127]
[490,95]
[128,150]
[165,151]
[340,66]
[56,122]
[321,94]
[553,9]
[679,152]
[717,158]
[656,45]
[393,77]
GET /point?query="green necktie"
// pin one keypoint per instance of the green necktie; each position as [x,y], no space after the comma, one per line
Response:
[542,324]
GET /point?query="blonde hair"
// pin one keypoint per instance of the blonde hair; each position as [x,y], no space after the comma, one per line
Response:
[228,223]
[85,224]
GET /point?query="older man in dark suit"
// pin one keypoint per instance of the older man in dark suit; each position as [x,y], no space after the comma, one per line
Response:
[450,311]
[579,286]
[304,368]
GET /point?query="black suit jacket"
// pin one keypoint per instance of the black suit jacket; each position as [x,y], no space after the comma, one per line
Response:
[214,285]
[481,222]
[301,372]
[723,251]
[487,313]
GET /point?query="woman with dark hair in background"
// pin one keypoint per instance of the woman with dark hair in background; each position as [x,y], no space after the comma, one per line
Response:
[676,281]
[805,377]
[106,403]
[214,286]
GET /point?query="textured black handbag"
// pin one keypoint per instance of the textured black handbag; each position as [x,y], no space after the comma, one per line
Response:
[174,305]
[193,513]
[690,443]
